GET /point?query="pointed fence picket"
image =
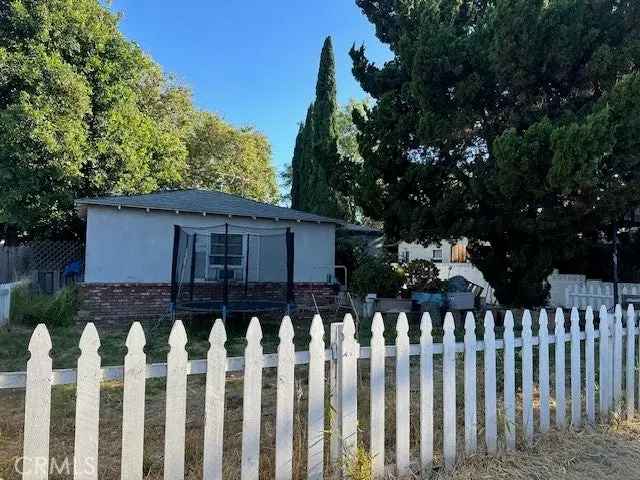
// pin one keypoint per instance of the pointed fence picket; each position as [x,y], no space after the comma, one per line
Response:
[87,406]
[449,391]
[426,394]
[490,406]
[176,406]
[617,357]
[377,403]
[527,378]
[559,369]
[470,415]
[402,396]
[543,370]
[37,404]
[509,383]
[315,432]
[630,361]
[214,402]
[284,401]
[576,395]
[135,364]
[252,402]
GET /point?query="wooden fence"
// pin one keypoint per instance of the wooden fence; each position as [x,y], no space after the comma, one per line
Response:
[614,343]
[5,301]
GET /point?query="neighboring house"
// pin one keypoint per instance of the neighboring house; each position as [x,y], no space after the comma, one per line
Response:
[450,258]
[130,250]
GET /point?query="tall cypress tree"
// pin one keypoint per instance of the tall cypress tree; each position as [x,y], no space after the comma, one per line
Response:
[295,168]
[325,138]
[316,153]
[306,164]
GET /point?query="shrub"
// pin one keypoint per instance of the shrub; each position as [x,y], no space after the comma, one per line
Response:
[377,275]
[30,308]
[422,276]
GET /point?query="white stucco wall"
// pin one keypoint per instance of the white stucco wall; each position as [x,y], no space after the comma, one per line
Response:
[133,246]
[447,269]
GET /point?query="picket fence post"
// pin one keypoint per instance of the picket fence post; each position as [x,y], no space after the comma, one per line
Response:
[349,389]
[630,361]
[559,368]
[490,407]
[603,357]
[426,394]
[214,402]
[449,391]
[402,396]
[590,367]
[617,358]
[135,365]
[37,405]
[377,401]
[543,370]
[176,403]
[335,374]
[85,454]
[509,382]
[527,377]
[315,434]
[470,415]
[252,402]
[284,400]
[576,387]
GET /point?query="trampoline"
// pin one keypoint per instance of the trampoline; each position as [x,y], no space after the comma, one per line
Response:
[229,268]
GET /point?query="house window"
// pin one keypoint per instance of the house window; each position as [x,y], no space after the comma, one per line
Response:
[436,255]
[235,250]
[459,253]
[406,256]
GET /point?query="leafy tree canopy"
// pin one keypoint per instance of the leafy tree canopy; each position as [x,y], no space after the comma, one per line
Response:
[514,123]
[84,112]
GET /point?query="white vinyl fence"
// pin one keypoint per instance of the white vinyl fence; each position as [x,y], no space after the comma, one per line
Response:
[597,294]
[616,361]
[5,301]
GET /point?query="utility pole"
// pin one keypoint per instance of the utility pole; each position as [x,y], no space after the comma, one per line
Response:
[616,298]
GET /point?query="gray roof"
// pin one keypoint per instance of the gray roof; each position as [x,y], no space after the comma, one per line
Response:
[206,201]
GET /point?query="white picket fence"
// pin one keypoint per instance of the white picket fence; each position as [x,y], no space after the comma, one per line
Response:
[596,294]
[617,362]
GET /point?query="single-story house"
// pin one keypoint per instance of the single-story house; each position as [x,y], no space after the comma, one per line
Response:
[146,252]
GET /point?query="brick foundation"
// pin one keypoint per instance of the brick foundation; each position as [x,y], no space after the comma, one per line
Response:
[109,303]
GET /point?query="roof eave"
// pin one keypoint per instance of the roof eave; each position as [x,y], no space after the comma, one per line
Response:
[82,205]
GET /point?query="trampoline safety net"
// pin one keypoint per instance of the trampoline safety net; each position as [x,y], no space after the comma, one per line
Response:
[226,267]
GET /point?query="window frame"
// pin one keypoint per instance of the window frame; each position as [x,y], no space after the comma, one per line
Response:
[211,255]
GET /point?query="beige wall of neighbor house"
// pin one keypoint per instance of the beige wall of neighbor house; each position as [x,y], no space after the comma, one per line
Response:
[450,259]
[131,245]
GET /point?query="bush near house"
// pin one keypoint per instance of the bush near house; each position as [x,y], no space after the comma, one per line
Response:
[31,308]
[377,275]
[422,276]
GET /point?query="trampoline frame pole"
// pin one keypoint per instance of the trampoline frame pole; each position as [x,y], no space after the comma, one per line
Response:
[225,285]
[246,268]
[192,273]
[174,267]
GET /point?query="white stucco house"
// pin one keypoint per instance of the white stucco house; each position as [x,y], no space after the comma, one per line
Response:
[132,252]
[451,259]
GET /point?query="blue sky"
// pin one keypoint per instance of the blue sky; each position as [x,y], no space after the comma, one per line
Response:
[253,62]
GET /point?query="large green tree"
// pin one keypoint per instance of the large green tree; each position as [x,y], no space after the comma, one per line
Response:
[316,157]
[84,112]
[231,160]
[515,123]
